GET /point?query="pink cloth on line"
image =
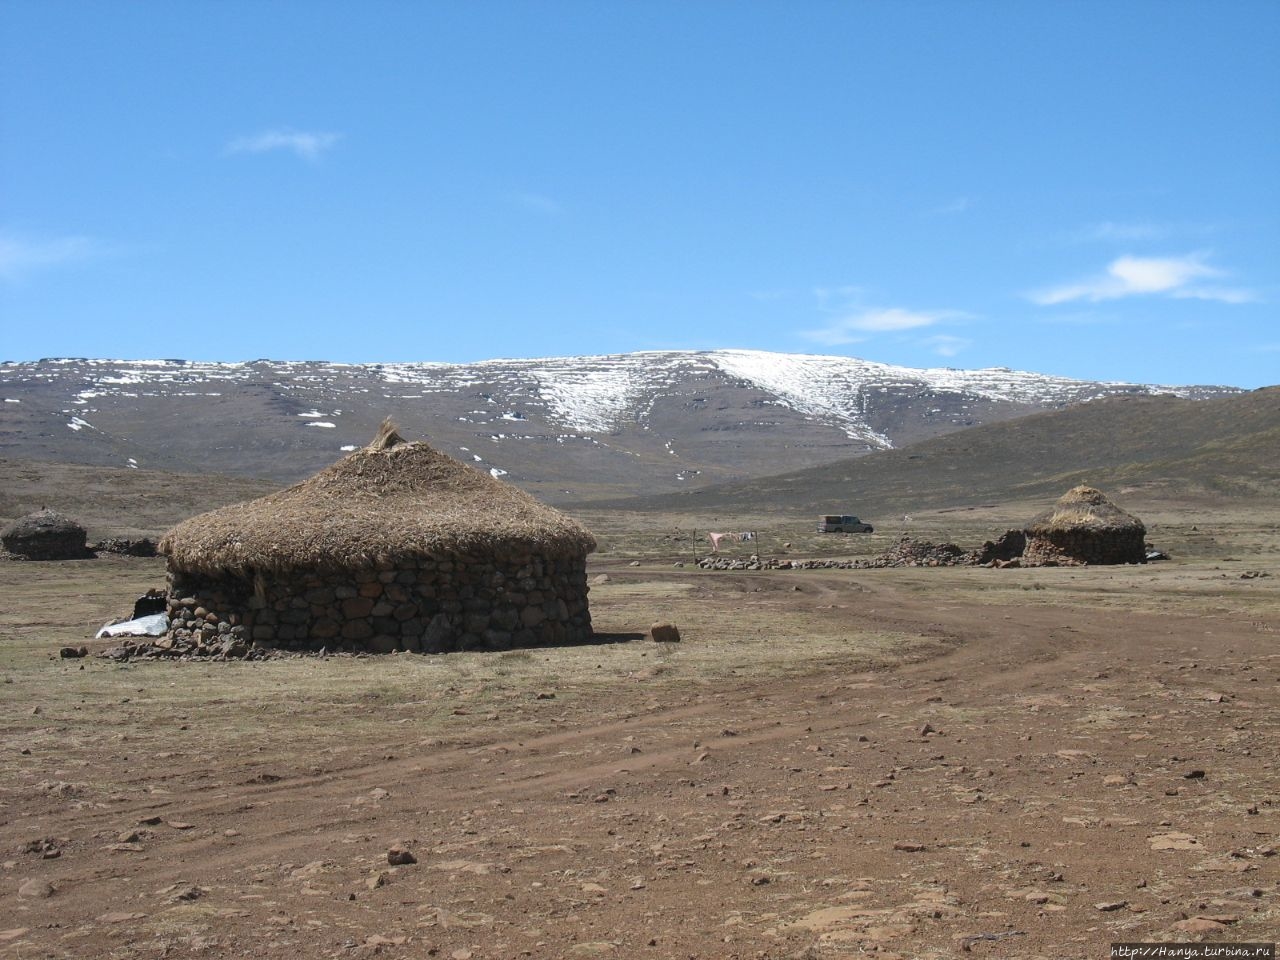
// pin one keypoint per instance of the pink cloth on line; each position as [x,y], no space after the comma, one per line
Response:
[715,539]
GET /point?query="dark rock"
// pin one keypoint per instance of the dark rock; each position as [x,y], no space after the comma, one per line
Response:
[665,633]
[400,855]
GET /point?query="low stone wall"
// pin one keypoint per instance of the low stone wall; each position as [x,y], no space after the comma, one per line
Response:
[1085,546]
[432,605]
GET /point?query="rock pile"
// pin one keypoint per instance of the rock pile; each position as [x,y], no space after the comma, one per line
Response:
[1008,546]
[127,546]
[193,644]
[922,553]
[905,553]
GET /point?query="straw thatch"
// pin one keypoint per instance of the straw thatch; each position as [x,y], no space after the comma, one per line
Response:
[45,535]
[1083,509]
[389,502]
[1085,527]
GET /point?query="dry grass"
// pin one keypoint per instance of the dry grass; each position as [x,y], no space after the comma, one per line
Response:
[274,712]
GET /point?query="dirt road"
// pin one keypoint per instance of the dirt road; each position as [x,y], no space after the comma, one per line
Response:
[1052,779]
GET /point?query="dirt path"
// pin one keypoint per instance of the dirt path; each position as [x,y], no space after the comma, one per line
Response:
[1061,779]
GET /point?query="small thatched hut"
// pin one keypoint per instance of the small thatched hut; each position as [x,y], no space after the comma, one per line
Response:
[1085,527]
[395,547]
[45,535]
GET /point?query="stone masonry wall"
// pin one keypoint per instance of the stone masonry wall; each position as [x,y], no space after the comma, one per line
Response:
[432,605]
[1083,546]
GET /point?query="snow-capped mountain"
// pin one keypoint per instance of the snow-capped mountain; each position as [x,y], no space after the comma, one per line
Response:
[565,427]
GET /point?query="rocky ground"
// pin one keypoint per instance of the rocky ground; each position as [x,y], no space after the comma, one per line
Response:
[1057,774]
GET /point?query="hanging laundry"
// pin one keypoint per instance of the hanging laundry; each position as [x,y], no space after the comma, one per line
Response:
[716,538]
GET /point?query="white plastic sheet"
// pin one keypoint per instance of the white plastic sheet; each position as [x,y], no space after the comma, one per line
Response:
[156,625]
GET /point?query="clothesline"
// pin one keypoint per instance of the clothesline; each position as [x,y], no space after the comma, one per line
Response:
[719,538]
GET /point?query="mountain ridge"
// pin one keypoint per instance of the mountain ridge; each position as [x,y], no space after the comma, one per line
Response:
[566,428]
[1224,448]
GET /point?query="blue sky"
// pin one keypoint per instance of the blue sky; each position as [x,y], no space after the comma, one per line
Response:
[1087,189]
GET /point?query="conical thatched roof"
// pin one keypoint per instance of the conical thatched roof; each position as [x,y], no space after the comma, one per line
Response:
[391,500]
[1084,508]
[42,523]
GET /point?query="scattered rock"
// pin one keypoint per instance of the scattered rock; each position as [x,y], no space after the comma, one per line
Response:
[1199,925]
[909,847]
[665,633]
[36,890]
[1110,906]
[400,855]
[1174,841]
[73,653]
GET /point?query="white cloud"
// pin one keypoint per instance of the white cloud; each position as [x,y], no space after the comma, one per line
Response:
[1144,276]
[307,146]
[20,256]
[848,328]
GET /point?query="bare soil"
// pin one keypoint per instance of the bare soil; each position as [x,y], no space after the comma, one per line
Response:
[906,763]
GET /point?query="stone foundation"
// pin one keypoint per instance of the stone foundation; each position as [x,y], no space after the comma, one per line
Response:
[1083,546]
[431,605]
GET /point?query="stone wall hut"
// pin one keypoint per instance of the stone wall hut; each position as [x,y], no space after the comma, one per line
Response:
[45,535]
[395,547]
[1085,527]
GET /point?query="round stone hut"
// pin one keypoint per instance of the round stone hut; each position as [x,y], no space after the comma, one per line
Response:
[45,535]
[1085,527]
[395,547]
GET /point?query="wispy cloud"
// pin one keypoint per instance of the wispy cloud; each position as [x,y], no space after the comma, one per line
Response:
[945,345]
[305,145]
[21,256]
[1176,277]
[952,208]
[1117,231]
[538,203]
[853,328]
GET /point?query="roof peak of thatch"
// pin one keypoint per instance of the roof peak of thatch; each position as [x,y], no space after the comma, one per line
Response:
[1084,494]
[390,500]
[1084,508]
[388,436]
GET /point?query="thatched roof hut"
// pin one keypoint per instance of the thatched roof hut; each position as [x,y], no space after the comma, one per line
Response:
[385,503]
[393,543]
[45,535]
[1085,527]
